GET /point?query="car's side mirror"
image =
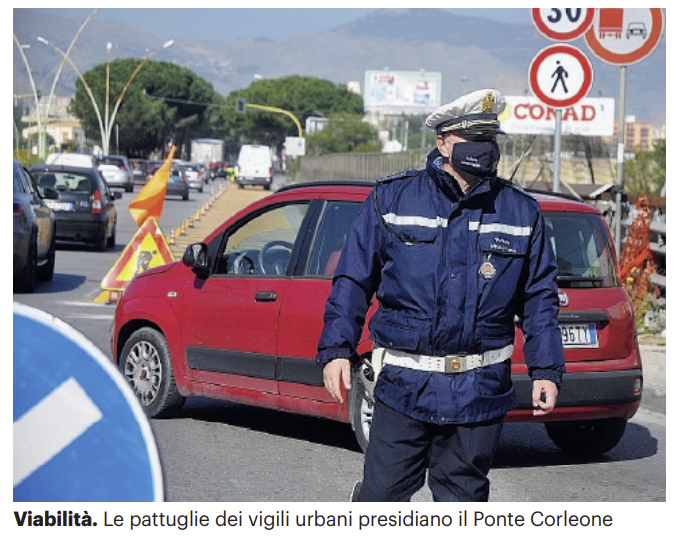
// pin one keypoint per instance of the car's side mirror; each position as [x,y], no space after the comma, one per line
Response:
[116,195]
[196,257]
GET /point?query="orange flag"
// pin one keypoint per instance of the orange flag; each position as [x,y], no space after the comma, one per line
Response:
[149,201]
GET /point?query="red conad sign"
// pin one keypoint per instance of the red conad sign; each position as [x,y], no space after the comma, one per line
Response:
[529,116]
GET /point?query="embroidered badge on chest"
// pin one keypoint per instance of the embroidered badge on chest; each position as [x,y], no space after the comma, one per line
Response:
[487,269]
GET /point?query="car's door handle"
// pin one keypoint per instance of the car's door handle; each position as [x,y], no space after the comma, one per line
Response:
[265,296]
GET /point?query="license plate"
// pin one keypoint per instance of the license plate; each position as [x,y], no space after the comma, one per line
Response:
[579,336]
[59,205]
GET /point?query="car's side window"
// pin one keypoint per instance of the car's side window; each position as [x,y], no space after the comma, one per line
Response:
[336,221]
[263,245]
[21,181]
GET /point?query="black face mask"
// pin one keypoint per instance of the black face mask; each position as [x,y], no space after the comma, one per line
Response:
[479,158]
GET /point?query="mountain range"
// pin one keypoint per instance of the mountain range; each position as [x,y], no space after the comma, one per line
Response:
[469,52]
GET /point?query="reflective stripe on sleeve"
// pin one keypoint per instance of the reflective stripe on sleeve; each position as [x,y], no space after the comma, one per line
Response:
[499,227]
[403,220]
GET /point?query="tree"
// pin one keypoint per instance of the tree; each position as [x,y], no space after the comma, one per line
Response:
[164,102]
[645,173]
[302,96]
[343,134]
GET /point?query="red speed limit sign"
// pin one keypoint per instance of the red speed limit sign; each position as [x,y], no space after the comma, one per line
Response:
[563,24]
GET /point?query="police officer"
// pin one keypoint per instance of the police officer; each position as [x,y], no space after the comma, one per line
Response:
[453,254]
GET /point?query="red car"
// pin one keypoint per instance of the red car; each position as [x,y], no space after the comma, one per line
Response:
[240,316]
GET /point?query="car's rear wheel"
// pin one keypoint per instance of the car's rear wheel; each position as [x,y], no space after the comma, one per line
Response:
[111,242]
[361,410]
[46,270]
[588,437]
[146,366]
[25,280]
[100,241]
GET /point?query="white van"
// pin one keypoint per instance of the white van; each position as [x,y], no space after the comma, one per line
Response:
[72,159]
[255,166]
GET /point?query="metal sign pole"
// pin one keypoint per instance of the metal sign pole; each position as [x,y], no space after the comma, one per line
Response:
[557,157]
[619,158]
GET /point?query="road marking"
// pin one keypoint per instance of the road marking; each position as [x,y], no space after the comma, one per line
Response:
[88,316]
[50,426]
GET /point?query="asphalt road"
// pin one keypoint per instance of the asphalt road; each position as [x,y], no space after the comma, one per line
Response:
[224,452]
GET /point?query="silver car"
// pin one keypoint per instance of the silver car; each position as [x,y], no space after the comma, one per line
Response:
[196,175]
[124,179]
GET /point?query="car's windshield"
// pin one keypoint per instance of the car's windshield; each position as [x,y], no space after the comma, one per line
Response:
[112,160]
[583,250]
[70,182]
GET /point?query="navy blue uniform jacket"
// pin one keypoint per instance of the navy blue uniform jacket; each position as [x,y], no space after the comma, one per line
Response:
[417,245]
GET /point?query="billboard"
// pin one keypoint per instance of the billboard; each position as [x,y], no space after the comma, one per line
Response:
[401,91]
[592,116]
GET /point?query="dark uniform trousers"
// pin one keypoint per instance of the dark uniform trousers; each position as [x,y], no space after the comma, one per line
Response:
[401,450]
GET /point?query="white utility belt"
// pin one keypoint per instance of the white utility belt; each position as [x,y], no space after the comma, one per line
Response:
[440,364]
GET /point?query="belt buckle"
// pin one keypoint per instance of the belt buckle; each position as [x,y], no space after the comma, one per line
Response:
[454,364]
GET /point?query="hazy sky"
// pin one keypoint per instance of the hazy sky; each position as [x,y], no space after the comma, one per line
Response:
[234,23]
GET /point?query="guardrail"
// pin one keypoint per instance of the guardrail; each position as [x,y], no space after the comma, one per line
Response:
[657,245]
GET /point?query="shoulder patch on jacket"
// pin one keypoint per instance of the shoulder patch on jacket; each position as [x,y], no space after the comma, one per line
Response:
[512,185]
[397,176]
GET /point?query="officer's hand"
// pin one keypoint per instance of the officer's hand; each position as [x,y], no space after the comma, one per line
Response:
[335,371]
[544,397]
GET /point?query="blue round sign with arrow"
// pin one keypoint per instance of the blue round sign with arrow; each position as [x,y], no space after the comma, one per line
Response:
[79,433]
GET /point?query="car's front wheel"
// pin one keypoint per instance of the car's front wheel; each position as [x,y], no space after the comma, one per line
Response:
[147,367]
[588,437]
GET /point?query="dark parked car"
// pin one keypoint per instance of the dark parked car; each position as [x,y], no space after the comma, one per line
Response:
[85,210]
[247,305]
[123,179]
[34,231]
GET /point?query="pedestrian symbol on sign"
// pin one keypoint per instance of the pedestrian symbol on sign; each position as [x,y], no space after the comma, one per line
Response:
[559,74]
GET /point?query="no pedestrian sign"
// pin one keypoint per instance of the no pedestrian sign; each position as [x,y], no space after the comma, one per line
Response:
[560,75]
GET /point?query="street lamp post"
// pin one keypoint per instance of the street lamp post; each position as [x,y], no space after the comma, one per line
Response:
[106,122]
[109,122]
[65,56]
[105,142]
[61,67]
[21,48]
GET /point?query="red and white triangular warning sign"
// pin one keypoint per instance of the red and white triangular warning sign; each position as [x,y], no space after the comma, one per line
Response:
[147,249]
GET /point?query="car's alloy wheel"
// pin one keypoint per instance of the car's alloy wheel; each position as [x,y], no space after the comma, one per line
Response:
[361,410]
[146,365]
